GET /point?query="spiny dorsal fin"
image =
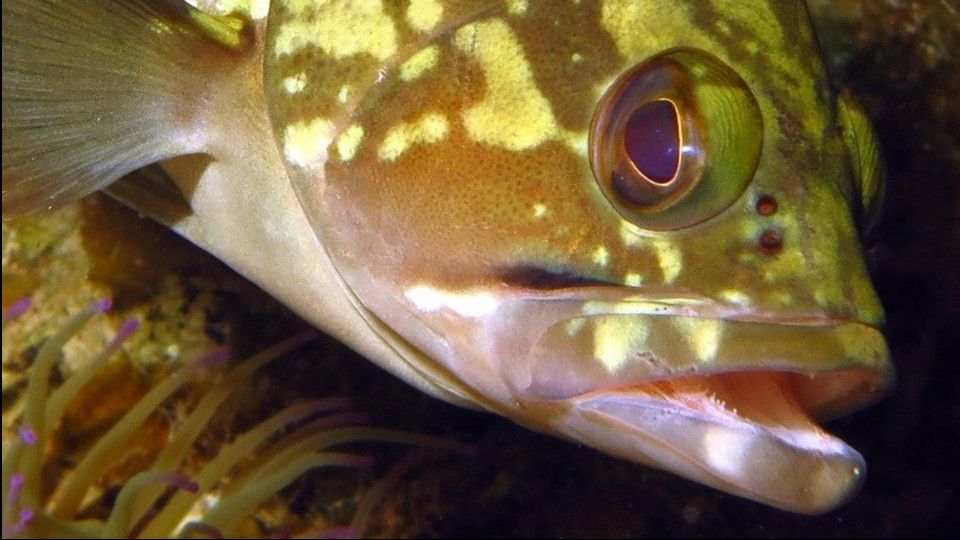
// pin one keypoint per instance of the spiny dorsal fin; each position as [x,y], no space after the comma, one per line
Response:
[94,89]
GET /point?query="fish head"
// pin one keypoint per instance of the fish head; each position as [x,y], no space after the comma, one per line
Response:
[635,225]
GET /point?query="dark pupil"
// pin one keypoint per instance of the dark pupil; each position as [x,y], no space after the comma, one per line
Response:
[652,142]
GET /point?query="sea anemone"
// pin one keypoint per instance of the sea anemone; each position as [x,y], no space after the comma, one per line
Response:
[162,500]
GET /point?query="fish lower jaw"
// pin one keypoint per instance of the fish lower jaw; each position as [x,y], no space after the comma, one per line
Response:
[744,433]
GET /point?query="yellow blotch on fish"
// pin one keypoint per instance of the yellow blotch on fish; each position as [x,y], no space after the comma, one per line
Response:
[430,128]
[348,142]
[305,143]
[419,63]
[340,28]
[514,114]
[423,15]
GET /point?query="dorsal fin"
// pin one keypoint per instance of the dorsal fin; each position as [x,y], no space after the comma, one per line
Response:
[95,89]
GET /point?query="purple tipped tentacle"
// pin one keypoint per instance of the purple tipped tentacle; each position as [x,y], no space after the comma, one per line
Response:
[17,309]
[103,305]
[27,434]
[17,481]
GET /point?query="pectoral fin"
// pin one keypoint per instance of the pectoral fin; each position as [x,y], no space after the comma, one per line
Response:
[94,89]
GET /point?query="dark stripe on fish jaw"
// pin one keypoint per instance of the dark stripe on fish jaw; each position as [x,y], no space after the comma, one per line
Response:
[537,278]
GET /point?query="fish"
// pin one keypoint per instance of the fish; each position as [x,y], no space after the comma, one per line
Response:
[636,225]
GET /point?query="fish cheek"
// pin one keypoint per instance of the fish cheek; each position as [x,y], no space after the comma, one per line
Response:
[454,212]
[422,240]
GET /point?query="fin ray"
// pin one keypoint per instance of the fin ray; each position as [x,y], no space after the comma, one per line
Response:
[95,89]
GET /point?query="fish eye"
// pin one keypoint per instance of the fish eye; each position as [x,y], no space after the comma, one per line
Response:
[675,140]
[652,141]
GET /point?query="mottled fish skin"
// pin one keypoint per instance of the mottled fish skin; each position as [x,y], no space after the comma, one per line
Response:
[491,143]
[451,142]
[416,178]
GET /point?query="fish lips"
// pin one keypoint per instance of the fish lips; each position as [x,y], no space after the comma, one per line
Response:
[802,470]
[844,365]
[725,401]
[674,380]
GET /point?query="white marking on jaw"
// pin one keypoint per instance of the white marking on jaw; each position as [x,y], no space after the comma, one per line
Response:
[539,210]
[423,15]
[703,335]
[428,129]
[305,143]
[473,305]
[340,28]
[513,114]
[726,449]
[617,339]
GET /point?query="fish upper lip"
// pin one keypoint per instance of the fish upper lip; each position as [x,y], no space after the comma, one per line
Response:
[609,346]
[686,303]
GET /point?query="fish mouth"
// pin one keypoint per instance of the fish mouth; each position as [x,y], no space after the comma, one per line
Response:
[744,433]
[721,394]
[840,366]
[727,400]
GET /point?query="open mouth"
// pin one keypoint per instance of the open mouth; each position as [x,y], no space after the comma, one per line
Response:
[726,402]
[720,394]
[746,433]
[605,350]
